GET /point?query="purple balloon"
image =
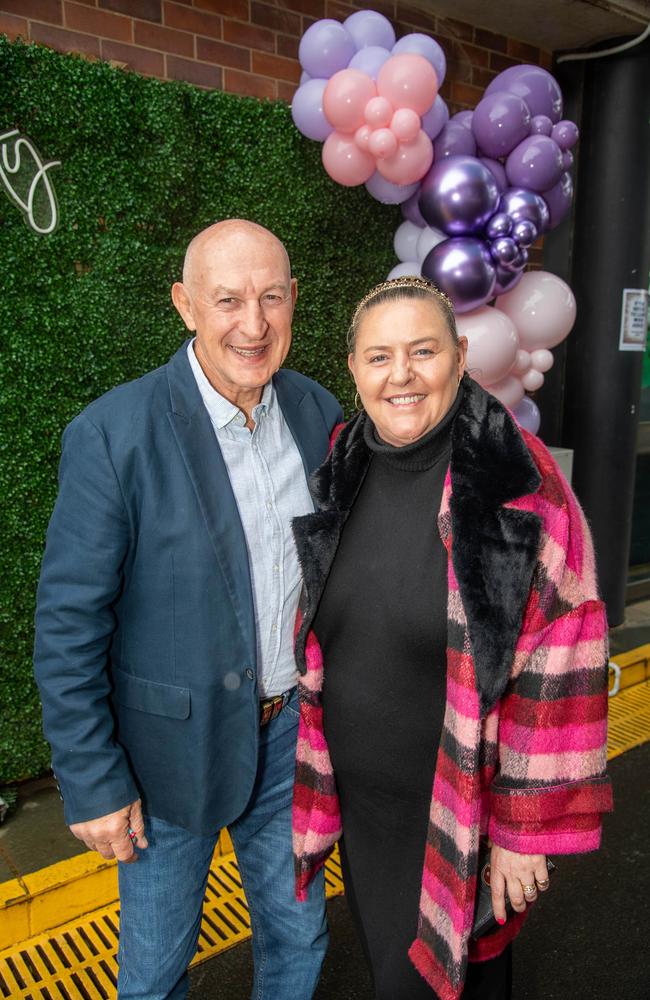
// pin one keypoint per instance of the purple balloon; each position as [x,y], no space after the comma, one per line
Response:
[325,48]
[463,118]
[499,225]
[423,45]
[567,159]
[369,60]
[535,85]
[501,120]
[454,140]
[411,210]
[565,133]
[435,118]
[304,77]
[524,233]
[307,110]
[527,415]
[367,27]
[387,193]
[458,195]
[558,200]
[541,125]
[462,267]
[518,204]
[536,163]
[503,250]
[506,280]
[497,170]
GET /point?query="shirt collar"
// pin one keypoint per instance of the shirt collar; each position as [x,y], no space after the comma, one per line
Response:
[221,410]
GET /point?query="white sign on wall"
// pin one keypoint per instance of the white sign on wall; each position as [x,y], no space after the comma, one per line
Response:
[634,320]
[25,179]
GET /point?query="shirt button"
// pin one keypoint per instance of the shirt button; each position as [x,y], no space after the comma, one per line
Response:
[274,627]
[249,673]
[269,505]
[276,568]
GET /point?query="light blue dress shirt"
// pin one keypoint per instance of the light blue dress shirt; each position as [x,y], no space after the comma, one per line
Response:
[268,479]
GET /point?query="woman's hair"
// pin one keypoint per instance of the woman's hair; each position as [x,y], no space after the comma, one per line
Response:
[402,288]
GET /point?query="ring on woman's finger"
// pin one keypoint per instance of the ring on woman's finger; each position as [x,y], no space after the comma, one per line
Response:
[542,883]
[529,890]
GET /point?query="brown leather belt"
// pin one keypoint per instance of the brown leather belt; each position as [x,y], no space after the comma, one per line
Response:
[270,708]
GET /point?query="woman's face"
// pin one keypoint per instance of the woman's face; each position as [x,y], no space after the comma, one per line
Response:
[406,368]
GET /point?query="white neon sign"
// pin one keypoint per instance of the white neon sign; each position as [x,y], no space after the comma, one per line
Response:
[26,182]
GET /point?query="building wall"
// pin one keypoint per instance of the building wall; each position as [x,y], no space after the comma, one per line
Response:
[246,46]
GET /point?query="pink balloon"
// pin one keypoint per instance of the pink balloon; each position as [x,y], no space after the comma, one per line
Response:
[542,307]
[492,343]
[405,124]
[410,163]
[508,391]
[362,137]
[532,380]
[378,112]
[542,360]
[522,362]
[383,143]
[345,98]
[345,162]
[408,81]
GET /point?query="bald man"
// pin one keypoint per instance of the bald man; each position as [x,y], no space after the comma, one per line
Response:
[165,615]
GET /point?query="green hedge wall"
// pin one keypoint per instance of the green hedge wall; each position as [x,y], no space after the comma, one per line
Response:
[145,165]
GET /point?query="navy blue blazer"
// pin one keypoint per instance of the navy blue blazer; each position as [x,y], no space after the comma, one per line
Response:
[145,650]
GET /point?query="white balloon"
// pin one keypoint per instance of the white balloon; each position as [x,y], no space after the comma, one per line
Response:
[542,360]
[542,307]
[492,343]
[409,268]
[522,362]
[508,391]
[405,241]
[428,239]
[532,380]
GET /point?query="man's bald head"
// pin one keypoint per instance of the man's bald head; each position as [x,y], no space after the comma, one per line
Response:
[231,235]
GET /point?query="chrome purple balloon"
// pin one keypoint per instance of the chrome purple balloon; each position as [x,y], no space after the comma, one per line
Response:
[458,195]
[506,280]
[499,225]
[558,200]
[535,85]
[500,121]
[454,140]
[518,204]
[524,233]
[435,118]
[503,250]
[463,269]
[536,163]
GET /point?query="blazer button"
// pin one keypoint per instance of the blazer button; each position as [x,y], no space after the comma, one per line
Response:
[249,673]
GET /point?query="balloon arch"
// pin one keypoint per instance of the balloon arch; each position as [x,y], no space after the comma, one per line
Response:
[476,190]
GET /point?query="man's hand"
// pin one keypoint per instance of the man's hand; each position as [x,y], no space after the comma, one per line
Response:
[109,835]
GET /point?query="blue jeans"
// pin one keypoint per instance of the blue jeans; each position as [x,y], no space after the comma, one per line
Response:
[161,895]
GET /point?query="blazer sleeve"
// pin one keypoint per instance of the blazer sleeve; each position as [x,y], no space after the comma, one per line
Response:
[551,786]
[81,579]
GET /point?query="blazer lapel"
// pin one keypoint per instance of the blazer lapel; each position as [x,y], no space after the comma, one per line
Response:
[207,470]
[304,419]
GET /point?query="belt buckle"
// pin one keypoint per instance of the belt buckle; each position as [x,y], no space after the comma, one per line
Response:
[270,708]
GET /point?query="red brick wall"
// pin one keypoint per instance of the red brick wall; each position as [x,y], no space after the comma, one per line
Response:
[246,46]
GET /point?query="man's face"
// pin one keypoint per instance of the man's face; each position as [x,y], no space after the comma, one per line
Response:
[238,297]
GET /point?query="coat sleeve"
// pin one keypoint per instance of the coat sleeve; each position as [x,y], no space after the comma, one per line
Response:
[81,579]
[551,788]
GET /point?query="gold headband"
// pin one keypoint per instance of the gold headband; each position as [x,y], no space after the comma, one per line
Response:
[408,281]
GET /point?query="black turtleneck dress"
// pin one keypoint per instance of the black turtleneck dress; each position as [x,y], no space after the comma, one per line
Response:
[382,625]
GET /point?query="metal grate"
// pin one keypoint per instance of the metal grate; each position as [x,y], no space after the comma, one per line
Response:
[629,719]
[78,961]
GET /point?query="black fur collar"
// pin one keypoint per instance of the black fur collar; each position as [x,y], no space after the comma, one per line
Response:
[494,548]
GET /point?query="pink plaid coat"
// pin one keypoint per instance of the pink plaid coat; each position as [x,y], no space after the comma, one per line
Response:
[523,748]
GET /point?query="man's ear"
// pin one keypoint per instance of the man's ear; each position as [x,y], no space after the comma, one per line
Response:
[183,303]
[294,291]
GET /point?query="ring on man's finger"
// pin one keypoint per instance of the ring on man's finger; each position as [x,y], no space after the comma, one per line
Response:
[133,837]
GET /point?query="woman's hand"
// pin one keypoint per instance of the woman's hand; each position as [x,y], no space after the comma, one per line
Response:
[520,875]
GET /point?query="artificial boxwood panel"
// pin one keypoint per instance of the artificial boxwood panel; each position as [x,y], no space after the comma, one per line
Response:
[145,165]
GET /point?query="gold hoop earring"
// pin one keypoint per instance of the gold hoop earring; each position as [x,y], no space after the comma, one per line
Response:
[358,405]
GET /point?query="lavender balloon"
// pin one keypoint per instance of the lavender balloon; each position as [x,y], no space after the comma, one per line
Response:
[541,125]
[519,204]
[567,159]
[325,48]
[304,77]
[454,140]
[387,193]
[435,118]
[499,225]
[463,118]
[506,279]
[411,210]
[503,250]
[535,86]
[369,60]
[524,233]
[307,110]
[500,122]
[462,267]
[497,170]
[527,415]
[458,195]
[423,45]
[558,200]
[536,163]
[565,133]
[368,27]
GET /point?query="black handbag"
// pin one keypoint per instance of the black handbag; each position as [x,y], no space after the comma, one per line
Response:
[484,919]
